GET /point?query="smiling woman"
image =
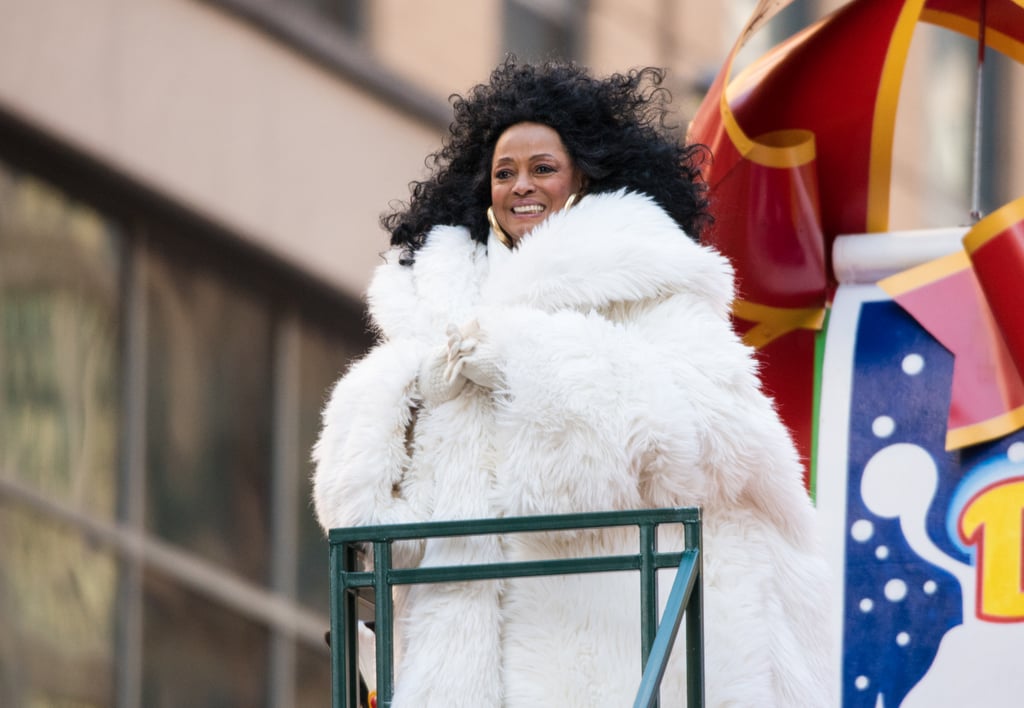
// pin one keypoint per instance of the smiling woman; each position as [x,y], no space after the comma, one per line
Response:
[540,359]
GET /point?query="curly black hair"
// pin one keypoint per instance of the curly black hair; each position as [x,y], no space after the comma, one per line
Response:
[614,129]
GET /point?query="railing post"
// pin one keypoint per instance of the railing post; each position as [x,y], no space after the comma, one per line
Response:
[648,592]
[384,623]
[695,621]
[338,692]
[344,628]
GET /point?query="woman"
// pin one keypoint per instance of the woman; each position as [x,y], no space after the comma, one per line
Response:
[553,340]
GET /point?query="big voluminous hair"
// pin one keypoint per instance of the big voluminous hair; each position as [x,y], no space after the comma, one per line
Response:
[613,128]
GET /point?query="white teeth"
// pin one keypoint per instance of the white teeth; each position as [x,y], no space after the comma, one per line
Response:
[531,209]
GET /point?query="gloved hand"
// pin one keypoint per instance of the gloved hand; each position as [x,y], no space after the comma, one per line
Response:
[459,343]
[471,355]
[437,382]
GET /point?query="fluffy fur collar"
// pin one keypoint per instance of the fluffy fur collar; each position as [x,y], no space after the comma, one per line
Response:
[613,247]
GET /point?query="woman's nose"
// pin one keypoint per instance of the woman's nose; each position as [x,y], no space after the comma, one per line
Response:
[523,185]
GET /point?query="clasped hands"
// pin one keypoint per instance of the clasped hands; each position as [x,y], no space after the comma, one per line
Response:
[467,356]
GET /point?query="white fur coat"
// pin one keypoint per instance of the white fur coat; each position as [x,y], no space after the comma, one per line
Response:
[625,388]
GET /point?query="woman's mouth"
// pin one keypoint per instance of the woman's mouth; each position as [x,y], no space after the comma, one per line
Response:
[528,209]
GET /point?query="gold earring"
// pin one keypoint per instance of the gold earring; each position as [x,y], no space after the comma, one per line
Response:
[498,231]
[570,201]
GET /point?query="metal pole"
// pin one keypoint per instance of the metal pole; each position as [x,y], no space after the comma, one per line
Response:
[695,694]
[978,101]
[648,592]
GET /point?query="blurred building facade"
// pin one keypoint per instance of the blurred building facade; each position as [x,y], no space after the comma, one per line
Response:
[189,203]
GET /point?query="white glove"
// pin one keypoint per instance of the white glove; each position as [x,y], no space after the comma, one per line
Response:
[471,355]
[437,383]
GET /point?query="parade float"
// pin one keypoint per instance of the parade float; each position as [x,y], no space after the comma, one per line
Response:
[896,357]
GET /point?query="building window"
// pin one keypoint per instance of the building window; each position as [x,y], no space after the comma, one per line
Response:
[159,396]
[59,275]
[197,652]
[536,30]
[208,415]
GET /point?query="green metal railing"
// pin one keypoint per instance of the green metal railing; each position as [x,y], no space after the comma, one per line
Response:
[685,597]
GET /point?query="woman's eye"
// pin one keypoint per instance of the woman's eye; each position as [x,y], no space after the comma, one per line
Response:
[545,169]
[502,174]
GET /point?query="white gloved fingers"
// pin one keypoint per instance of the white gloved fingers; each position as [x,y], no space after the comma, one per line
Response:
[454,341]
[459,345]
[468,356]
[462,340]
[483,367]
[453,369]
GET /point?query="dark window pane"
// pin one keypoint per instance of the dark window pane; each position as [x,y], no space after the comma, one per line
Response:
[208,416]
[59,273]
[322,359]
[313,677]
[57,604]
[198,653]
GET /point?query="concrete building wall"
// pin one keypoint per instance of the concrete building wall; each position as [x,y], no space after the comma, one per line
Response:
[443,46]
[197,105]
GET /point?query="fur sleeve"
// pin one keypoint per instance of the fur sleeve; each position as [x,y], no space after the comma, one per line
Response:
[361,457]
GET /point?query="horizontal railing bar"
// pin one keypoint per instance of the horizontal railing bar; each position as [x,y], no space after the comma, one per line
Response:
[511,569]
[519,524]
[519,569]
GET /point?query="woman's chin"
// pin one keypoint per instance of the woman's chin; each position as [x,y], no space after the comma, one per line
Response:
[521,228]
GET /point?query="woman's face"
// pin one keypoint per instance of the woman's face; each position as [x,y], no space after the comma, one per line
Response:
[532,175]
